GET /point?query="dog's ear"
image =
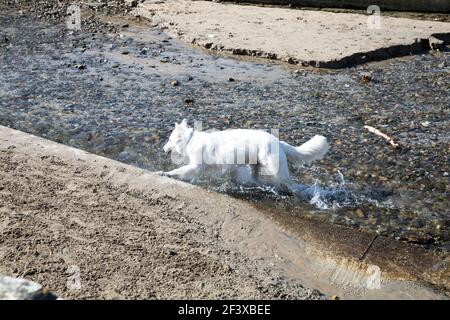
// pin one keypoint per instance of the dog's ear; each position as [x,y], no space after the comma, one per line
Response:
[184,123]
[176,125]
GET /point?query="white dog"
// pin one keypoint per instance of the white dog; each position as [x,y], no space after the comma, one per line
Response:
[259,150]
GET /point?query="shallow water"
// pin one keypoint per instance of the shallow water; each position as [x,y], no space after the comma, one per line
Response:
[113,95]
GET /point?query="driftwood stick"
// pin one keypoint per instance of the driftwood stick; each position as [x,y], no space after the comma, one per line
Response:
[381,134]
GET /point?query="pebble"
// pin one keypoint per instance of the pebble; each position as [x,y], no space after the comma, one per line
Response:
[80,66]
[365,77]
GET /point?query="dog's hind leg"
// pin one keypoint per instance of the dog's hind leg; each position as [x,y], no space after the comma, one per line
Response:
[255,172]
[278,171]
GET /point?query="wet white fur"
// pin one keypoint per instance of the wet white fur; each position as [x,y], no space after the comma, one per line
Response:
[263,152]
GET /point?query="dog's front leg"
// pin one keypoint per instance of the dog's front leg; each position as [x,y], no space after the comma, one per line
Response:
[184,172]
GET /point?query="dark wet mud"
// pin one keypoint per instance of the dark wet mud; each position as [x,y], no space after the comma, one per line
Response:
[118,92]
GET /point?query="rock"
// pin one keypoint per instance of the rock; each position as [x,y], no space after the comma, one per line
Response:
[175,83]
[227,268]
[80,66]
[436,44]
[131,3]
[231,79]
[359,213]
[4,39]
[365,77]
[22,289]
[95,5]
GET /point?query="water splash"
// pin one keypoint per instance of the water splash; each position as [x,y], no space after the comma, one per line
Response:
[330,192]
[326,192]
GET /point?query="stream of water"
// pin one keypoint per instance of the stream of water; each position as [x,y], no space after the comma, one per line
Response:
[114,95]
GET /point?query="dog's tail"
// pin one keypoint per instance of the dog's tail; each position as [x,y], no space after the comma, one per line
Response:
[313,149]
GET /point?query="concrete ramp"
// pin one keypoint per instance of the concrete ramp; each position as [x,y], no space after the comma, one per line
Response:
[310,38]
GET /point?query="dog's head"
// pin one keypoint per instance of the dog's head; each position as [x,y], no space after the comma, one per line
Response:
[178,138]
